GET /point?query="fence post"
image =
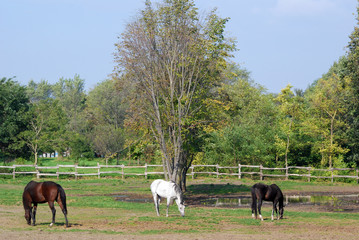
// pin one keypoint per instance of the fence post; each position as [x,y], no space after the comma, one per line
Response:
[123,172]
[332,175]
[261,172]
[192,172]
[309,173]
[146,170]
[13,172]
[37,172]
[76,171]
[98,170]
[286,172]
[239,171]
[217,170]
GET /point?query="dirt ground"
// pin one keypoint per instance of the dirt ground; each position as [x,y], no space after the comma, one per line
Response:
[13,225]
[82,229]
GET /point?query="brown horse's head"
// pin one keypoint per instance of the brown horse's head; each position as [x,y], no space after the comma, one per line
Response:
[27,216]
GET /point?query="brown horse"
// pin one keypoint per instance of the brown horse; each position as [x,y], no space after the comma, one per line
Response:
[41,192]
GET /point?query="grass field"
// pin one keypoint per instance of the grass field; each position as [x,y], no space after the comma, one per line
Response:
[94,213]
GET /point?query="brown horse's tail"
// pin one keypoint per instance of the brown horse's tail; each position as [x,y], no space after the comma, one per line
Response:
[62,197]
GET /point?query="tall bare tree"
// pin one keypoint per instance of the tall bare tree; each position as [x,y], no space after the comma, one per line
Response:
[172,58]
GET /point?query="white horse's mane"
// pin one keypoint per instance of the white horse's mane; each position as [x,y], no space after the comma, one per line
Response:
[178,191]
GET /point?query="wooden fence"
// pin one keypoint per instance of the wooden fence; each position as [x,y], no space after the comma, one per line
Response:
[90,170]
[240,171]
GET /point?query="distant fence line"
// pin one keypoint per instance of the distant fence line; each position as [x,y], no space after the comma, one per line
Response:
[240,171]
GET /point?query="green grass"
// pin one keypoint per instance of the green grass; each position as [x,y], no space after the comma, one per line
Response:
[97,195]
[94,198]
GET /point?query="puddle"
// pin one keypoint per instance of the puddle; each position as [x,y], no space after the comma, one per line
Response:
[128,198]
[335,203]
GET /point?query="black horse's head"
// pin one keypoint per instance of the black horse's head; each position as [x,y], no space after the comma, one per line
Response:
[281,211]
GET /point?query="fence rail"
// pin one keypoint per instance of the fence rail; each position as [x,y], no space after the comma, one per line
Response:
[240,171]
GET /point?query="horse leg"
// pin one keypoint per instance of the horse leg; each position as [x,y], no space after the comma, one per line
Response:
[32,216]
[63,211]
[156,201]
[254,208]
[34,213]
[275,204]
[274,207]
[259,208]
[53,210]
[169,202]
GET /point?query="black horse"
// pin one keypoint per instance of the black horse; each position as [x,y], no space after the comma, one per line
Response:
[264,192]
[42,192]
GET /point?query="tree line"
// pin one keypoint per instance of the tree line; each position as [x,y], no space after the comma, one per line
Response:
[177,98]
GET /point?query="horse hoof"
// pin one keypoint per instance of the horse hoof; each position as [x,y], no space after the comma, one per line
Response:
[51,224]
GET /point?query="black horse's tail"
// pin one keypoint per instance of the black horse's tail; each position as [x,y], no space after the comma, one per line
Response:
[62,197]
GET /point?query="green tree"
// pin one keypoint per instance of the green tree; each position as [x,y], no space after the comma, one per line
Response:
[39,91]
[352,116]
[248,136]
[71,96]
[46,127]
[290,110]
[106,109]
[173,59]
[13,106]
[328,103]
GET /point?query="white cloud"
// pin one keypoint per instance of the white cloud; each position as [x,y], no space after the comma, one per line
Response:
[303,7]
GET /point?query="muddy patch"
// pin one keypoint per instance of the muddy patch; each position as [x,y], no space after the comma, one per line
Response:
[319,201]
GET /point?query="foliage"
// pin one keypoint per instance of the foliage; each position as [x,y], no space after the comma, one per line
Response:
[351,65]
[46,128]
[251,127]
[172,59]
[13,108]
[290,111]
[175,98]
[106,113]
[71,96]
[327,101]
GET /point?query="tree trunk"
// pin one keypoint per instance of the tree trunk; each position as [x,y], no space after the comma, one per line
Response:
[35,153]
[287,148]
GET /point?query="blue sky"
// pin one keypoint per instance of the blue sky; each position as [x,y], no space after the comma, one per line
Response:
[280,41]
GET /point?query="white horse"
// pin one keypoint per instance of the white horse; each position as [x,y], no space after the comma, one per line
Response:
[171,191]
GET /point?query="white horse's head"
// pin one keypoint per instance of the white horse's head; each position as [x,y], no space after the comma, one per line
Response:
[181,207]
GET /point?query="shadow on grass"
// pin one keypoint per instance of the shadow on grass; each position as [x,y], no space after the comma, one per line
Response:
[217,189]
[59,224]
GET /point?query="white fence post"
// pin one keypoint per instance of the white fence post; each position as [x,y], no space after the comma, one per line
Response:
[123,171]
[146,170]
[239,171]
[305,172]
[286,173]
[99,170]
[37,172]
